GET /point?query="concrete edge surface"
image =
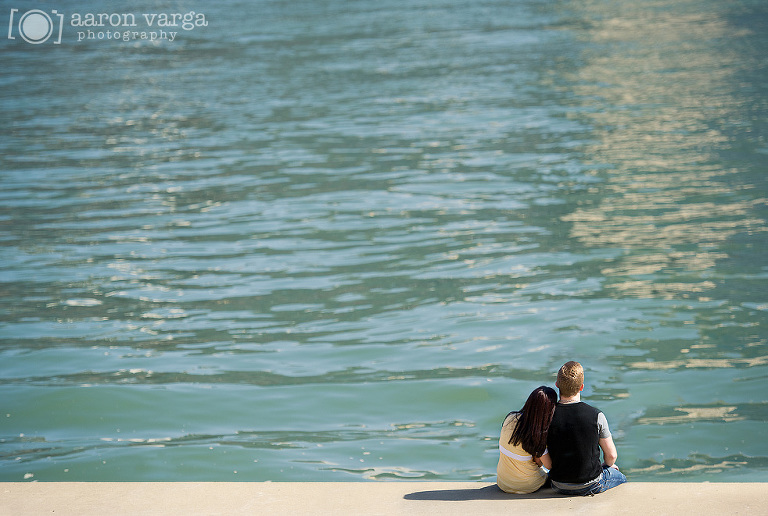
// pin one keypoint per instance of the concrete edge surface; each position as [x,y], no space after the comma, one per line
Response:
[370,498]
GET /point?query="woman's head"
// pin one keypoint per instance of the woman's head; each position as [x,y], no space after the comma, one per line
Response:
[542,399]
[533,422]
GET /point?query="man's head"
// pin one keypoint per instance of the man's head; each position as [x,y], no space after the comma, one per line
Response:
[570,379]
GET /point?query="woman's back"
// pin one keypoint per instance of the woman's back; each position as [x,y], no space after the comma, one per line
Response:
[516,471]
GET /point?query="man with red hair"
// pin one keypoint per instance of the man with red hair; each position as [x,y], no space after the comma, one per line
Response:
[576,435]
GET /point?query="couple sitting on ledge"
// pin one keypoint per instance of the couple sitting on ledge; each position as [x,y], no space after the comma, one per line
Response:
[565,438]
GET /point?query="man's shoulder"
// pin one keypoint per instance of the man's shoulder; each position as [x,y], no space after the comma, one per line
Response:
[591,407]
[579,408]
[582,405]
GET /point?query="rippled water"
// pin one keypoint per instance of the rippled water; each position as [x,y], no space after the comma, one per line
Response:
[333,240]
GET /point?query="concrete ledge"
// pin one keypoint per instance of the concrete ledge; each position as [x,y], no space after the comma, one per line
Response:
[370,498]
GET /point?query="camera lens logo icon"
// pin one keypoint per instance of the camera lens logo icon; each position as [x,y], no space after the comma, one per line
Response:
[35,26]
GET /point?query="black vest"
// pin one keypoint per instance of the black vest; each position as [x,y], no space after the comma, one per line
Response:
[573,443]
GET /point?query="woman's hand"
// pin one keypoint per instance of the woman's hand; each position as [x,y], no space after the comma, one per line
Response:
[545,461]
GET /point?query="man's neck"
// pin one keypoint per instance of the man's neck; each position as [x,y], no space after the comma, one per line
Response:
[572,399]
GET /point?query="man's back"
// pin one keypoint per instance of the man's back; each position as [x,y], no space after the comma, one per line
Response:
[573,443]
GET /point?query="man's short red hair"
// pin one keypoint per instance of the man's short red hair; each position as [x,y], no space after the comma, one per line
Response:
[570,378]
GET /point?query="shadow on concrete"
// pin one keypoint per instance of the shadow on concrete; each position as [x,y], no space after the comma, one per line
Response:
[491,492]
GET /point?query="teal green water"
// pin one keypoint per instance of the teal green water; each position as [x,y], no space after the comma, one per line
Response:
[331,241]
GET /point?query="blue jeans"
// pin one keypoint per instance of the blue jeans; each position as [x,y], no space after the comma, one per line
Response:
[611,477]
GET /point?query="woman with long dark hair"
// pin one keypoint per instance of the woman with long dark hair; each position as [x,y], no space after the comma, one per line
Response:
[523,444]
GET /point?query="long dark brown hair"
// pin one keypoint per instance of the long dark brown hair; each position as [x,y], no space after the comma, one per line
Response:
[533,421]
